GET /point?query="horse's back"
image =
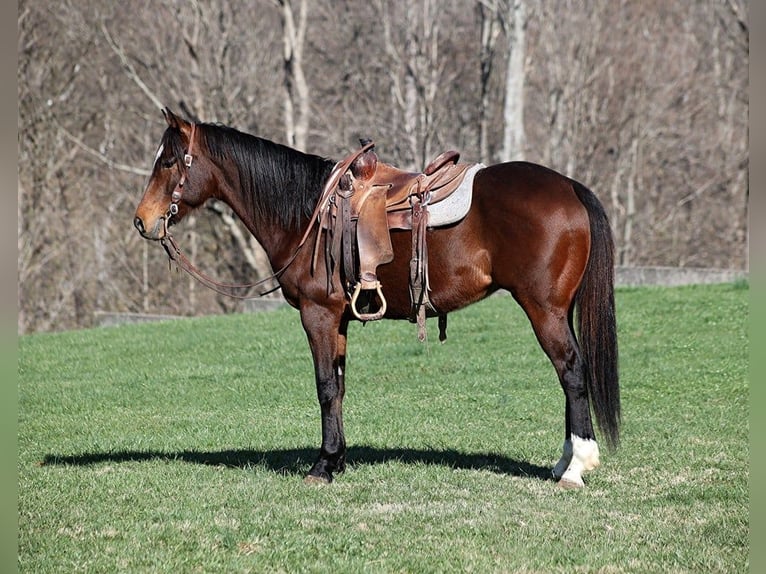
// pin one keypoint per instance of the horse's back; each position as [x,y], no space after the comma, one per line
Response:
[531,192]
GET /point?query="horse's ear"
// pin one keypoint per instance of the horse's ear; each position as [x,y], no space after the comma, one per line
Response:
[177,122]
[170,117]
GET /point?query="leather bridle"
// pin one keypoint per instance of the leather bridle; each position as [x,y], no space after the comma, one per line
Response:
[177,194]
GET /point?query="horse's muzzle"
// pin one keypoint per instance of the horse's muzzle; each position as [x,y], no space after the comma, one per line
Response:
[156,232]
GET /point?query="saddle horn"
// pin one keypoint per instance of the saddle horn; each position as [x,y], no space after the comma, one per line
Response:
[364,166]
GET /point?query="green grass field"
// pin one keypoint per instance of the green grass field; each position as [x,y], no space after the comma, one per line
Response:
[181,447]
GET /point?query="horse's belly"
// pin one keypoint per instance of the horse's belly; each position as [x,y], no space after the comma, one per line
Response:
[458,271]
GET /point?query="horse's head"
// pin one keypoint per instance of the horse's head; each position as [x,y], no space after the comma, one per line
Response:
[180,180]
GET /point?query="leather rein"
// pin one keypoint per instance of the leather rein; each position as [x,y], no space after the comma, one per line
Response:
[175,255]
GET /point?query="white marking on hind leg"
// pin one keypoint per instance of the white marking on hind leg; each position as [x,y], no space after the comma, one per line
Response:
[585,457]
[563,463]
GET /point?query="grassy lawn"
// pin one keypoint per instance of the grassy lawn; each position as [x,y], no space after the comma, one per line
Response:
[181,447]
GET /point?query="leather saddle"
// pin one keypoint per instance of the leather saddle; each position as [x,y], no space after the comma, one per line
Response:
[384,196]
[370,199]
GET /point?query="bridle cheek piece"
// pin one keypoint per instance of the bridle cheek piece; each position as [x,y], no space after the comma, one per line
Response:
[175,197]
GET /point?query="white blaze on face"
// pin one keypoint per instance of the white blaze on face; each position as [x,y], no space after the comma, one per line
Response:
[158,154]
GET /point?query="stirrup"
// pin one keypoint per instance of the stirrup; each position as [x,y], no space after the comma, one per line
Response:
[368,316]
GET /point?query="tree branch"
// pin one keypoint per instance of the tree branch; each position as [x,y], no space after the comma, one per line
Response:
[129,69]
[101,157]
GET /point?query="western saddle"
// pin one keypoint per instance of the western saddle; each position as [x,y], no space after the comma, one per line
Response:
[362,201]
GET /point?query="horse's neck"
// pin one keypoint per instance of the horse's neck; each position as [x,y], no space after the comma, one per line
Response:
[279,243]
[279,239]
[276,241]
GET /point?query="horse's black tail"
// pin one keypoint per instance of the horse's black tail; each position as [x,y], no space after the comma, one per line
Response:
[597,326]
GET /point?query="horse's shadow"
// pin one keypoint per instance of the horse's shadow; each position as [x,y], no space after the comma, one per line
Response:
[297,461]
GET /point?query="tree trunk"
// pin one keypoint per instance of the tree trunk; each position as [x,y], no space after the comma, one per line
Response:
[410,87]
[488,17]
[513,113]
[297,101]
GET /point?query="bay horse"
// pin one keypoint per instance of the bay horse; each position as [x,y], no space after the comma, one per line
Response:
[536,233]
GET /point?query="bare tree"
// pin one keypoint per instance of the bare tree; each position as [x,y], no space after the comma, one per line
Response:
[489,22]
[297,101]
[412,46]
[513,112]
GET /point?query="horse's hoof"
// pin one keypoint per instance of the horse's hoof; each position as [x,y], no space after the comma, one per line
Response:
[312,479]
[569,484]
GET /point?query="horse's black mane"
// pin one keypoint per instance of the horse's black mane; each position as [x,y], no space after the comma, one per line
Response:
[276,181]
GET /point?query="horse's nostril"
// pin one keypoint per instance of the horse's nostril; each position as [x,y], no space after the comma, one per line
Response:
[139,224]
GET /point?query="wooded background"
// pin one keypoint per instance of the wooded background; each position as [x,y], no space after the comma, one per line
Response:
[644,101]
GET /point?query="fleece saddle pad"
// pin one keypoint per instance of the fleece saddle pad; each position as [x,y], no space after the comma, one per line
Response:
[456,206]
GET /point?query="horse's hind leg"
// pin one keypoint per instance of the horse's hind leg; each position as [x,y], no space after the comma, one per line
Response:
[580,453]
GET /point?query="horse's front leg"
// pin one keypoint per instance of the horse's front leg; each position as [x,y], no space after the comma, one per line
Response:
[326,330]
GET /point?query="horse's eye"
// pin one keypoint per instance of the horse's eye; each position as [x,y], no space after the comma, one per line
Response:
[168,162]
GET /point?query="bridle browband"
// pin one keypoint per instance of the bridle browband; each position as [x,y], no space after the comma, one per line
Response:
[176,255]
